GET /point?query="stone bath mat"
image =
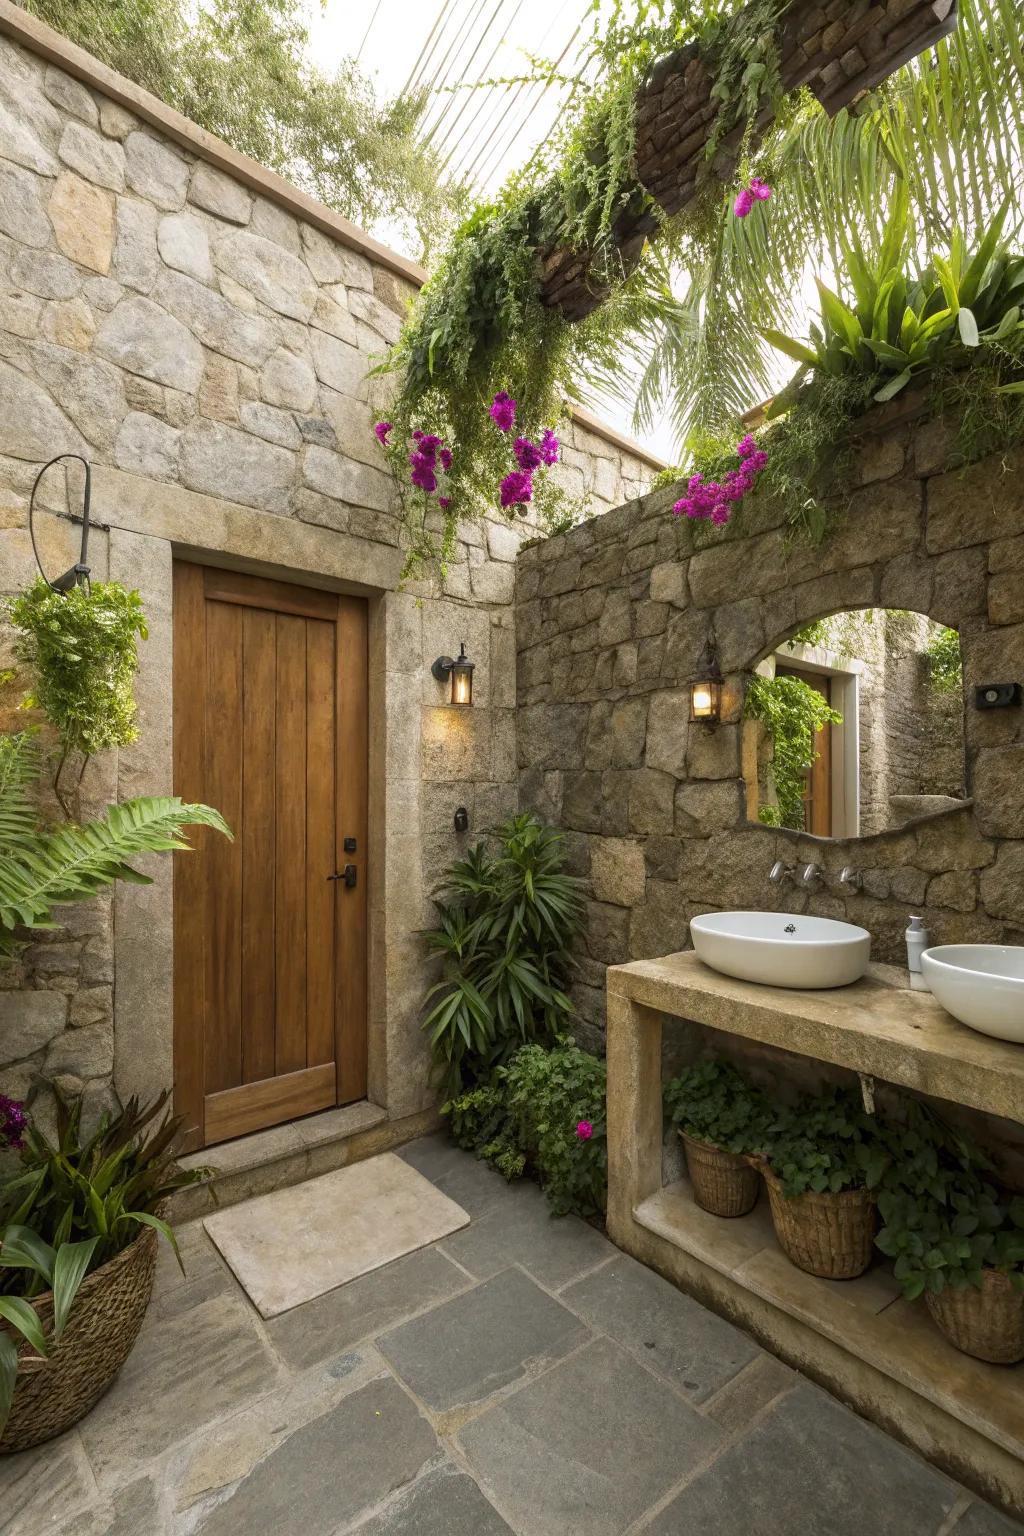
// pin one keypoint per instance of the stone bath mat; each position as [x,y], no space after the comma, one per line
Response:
[293,1245]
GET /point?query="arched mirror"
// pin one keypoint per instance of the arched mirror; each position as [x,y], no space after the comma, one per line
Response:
[853,725]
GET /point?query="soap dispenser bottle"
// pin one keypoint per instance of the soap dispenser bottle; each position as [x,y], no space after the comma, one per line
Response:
[917,942]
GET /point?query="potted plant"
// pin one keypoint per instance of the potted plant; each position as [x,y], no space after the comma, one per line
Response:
[825,1158]
[955,1239]
[722,1121]
[79,1224]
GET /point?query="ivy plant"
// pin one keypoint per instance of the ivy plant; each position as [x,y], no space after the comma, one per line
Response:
[827,1143]
[82,649]
[508,916]
[792,713]
[944,1219]
[945,661]
[713,1102]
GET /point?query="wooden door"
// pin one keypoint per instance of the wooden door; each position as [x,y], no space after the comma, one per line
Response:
[270,727]
[818,780]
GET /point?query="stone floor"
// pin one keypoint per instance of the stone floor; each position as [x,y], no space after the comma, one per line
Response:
[520,1376]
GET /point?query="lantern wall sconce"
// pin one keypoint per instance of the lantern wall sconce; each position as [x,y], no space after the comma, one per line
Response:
[706,689]
[460,670]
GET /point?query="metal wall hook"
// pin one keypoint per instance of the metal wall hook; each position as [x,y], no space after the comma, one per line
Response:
[78,574]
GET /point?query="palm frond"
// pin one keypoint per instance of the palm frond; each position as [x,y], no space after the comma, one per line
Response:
[19,774]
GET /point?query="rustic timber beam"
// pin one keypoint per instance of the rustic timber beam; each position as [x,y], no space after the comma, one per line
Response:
[839,49]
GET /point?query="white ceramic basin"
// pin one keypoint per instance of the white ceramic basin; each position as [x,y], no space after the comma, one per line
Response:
[981,985]
[782,949]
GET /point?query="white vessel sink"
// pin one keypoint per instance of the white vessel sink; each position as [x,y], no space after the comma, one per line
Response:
[981,985]
[782,949]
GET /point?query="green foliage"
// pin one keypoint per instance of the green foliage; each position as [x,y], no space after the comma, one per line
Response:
[82,649]
[827,1143]
[945,662]
[507,920]
[792,712]
[714,1103]
[40,868]
[944,1221]
[72,1205]
[241,70]
[527,1117]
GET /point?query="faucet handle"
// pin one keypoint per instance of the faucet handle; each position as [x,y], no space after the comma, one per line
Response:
[850,878]
[779,872]
[810,875]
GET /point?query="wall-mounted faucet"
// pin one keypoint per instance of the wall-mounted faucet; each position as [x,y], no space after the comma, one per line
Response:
[810,876]
[780,872]
[850,878]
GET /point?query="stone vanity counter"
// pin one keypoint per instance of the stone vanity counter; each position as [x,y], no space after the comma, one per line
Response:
[876,1026]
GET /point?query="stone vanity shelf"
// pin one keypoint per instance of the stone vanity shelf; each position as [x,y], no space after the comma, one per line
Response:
[860,1338]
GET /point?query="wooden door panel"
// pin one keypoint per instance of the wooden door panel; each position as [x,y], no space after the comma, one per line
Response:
[270,700]
[257,835]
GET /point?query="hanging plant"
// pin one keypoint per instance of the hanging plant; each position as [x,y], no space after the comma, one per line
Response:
[82,649]
[792,713]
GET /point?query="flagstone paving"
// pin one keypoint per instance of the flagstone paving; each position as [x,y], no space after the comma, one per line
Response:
[519,1378]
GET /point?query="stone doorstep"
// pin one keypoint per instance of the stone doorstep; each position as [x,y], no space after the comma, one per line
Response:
[868,1320]
[288,1154]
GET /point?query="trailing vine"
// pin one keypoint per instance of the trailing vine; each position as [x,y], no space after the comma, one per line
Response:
[792,713]
[82,649]
[480,325]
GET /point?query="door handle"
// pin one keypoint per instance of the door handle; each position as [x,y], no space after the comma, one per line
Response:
[349,874]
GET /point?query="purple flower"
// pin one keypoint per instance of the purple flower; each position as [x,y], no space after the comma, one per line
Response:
[584,1130]
[516,487]
[528,455]
[549,447]
[423,474]
[503,411]
[13,1121]
[744,202]
[381,431]
[444,502]
[760,189]
[446,458]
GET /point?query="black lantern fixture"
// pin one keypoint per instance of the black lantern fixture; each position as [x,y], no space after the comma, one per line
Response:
[460,670]
[706,689]
[78,574]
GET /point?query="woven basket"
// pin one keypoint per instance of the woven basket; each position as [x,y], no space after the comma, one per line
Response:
[724,1184]
[986,1322]
[828,1235]
[50,1395]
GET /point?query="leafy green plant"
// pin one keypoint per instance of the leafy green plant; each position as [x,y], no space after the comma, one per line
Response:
[827,1143]
[82,648]
[72,1205]
[42,868]
[944,1220]
[507,920]
[792,712]
[542,1113]
[945,662]
[714,1103]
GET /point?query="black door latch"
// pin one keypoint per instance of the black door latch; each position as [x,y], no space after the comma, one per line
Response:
[349,874]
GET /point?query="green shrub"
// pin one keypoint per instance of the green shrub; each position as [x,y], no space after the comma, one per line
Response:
[792,713]
[507,920]
[543,1113]
[714,1103]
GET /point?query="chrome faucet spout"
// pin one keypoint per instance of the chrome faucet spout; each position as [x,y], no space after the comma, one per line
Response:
[780,872]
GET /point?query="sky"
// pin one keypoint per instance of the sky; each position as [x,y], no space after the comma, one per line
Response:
[487,132]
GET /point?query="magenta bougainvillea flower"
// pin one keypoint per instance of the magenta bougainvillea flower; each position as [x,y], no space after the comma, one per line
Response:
[711,499]
[13,1121]
[757,192]
[584,1130]
[446,458]
[503,411]
[516,487]
[549,447]
[444,502]
[381,431]
[528,455]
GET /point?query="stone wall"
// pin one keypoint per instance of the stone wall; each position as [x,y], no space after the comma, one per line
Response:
[612,618]
[204,340]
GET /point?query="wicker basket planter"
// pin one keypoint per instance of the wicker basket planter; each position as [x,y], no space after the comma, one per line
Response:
[52,1395]
[723,1183]
[986,1322]
[828,1235]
